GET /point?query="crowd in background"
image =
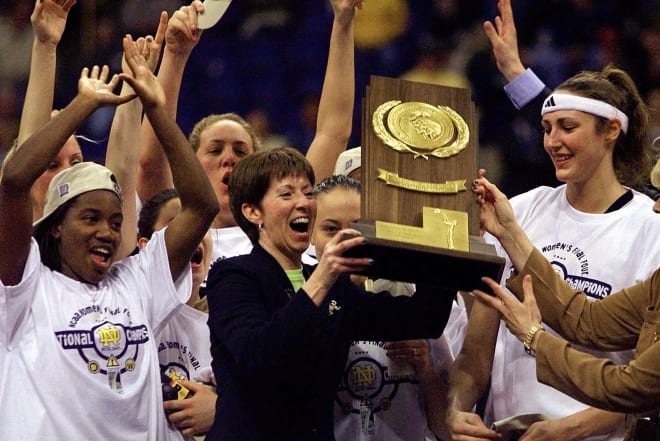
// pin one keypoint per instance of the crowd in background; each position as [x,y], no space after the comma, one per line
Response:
[266,60]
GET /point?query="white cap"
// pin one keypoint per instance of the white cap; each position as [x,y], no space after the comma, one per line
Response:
[213,11]
[348,161]
[76,180]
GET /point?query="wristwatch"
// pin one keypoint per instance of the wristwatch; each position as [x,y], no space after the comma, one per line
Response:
[527,343]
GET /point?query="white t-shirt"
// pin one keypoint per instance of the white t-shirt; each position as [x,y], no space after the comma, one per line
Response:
[393,390]
[79,361]
[396,402]
[596,253]
[184,349]
[229,242]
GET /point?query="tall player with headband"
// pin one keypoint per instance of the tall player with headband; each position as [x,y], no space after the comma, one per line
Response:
[597,231]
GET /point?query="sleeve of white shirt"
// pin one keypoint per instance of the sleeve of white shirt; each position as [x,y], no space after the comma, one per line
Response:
[161,295]
[16,300]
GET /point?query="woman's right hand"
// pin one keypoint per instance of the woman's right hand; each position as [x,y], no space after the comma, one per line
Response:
[49,20]
[345,10]
[333,263]
[504,41]
[182,32]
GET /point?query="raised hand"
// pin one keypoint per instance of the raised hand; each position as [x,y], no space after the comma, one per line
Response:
[344,10]
[149,46]
[504,41]
[141,79]
[182,31]
[49,19]
[95,86]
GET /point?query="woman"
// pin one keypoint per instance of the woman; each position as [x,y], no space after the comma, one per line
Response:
[595,128]
[67,307]
[222,140]
[628,319]
[280,330]
[407,401]
[48,22]
[184,353]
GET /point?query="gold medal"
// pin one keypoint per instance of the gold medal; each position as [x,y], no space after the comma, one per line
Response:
[421,129]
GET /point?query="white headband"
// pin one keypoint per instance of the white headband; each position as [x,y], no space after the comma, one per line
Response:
[562,101]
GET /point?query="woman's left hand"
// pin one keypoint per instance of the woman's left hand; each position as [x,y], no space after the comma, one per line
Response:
[415,352]
[194,415]
[518,316]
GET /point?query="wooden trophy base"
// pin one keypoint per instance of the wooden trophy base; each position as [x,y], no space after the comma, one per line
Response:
[445,268]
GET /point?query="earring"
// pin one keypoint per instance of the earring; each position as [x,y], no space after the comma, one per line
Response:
[260,226]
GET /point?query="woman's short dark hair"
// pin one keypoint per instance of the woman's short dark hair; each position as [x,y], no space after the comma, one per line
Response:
[150,211]
[252,176]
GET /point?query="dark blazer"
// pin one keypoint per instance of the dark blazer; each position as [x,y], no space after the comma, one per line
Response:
[277,358]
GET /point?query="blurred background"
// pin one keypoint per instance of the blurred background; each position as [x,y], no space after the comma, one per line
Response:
[266,58]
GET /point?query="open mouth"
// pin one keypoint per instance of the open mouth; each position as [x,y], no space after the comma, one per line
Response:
[300,225]
[101,256]
[197,257]
[225,179]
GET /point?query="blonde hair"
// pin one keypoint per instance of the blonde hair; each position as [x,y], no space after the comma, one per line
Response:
[205,122]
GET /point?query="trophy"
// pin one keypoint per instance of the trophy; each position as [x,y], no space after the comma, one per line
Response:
[419,149]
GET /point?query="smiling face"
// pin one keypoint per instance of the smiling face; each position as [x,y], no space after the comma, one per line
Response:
[335,210]
[69,155]
[221,146]
[89,236]
[579,151]
[286,215]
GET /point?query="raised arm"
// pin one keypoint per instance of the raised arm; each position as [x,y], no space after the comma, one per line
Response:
[123,145]
[154,174]
[22,168]
[504,41]
[198,202]
[48,22]
[335,115]
[525,90]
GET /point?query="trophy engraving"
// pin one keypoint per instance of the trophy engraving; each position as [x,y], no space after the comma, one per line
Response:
[421,222]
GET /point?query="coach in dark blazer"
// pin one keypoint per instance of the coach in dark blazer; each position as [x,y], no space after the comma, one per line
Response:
[280,330]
